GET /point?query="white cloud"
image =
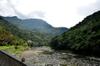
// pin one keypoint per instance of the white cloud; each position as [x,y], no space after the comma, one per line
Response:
[5,8]
[56,12]
[86,10]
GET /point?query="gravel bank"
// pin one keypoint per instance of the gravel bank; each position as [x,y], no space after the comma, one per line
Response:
[44,56]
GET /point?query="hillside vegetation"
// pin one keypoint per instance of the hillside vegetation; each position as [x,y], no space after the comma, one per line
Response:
[6,34]
[15,39]
[8,41]
[36,32]
[84,38]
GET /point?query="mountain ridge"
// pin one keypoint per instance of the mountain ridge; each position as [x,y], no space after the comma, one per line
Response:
[24,29]
[34,24]
[83,38]
[6,36]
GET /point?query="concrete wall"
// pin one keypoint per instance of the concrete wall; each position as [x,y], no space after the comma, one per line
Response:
[8,60]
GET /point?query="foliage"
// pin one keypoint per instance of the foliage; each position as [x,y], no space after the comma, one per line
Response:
[83,38]
[9,41]
[11,34]
[35,30]
[6,35]
[13,50]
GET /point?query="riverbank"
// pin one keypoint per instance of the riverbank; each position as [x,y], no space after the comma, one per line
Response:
[44,56]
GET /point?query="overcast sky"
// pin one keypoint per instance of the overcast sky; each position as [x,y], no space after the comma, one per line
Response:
[59,13]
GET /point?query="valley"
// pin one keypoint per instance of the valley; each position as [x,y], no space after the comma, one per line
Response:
[41,44]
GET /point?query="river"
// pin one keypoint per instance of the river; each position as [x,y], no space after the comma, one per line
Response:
[44,56]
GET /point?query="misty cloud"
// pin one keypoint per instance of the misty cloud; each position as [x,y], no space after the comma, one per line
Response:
[6,9]
[89,9]
[36,14]
[56,12]
[98,4]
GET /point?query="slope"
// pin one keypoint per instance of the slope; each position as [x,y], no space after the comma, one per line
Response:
[84,38]
[35,31]
[35,25]
[8,41]
[6,36]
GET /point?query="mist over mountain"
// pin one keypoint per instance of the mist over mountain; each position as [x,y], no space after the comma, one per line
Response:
[35,25]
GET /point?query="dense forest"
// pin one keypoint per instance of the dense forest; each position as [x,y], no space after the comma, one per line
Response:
[36,32]
[15,39]
[12,35]
[7,36]
[9,39]
[84,38]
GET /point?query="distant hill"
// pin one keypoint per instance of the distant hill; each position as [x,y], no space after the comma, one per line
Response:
[84,38]
[35,25]
[35,31]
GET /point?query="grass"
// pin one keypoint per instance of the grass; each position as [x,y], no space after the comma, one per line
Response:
[12,50]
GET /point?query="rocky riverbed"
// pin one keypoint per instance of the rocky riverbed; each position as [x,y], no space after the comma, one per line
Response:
[44,56]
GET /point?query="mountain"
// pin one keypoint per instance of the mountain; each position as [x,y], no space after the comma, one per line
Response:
[35,25]
[6,36]
[84,38]
[36,38]
[35,31]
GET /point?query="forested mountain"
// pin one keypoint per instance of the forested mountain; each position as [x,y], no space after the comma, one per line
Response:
[83,38]
[6,35]
[35,25]
[35,32]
